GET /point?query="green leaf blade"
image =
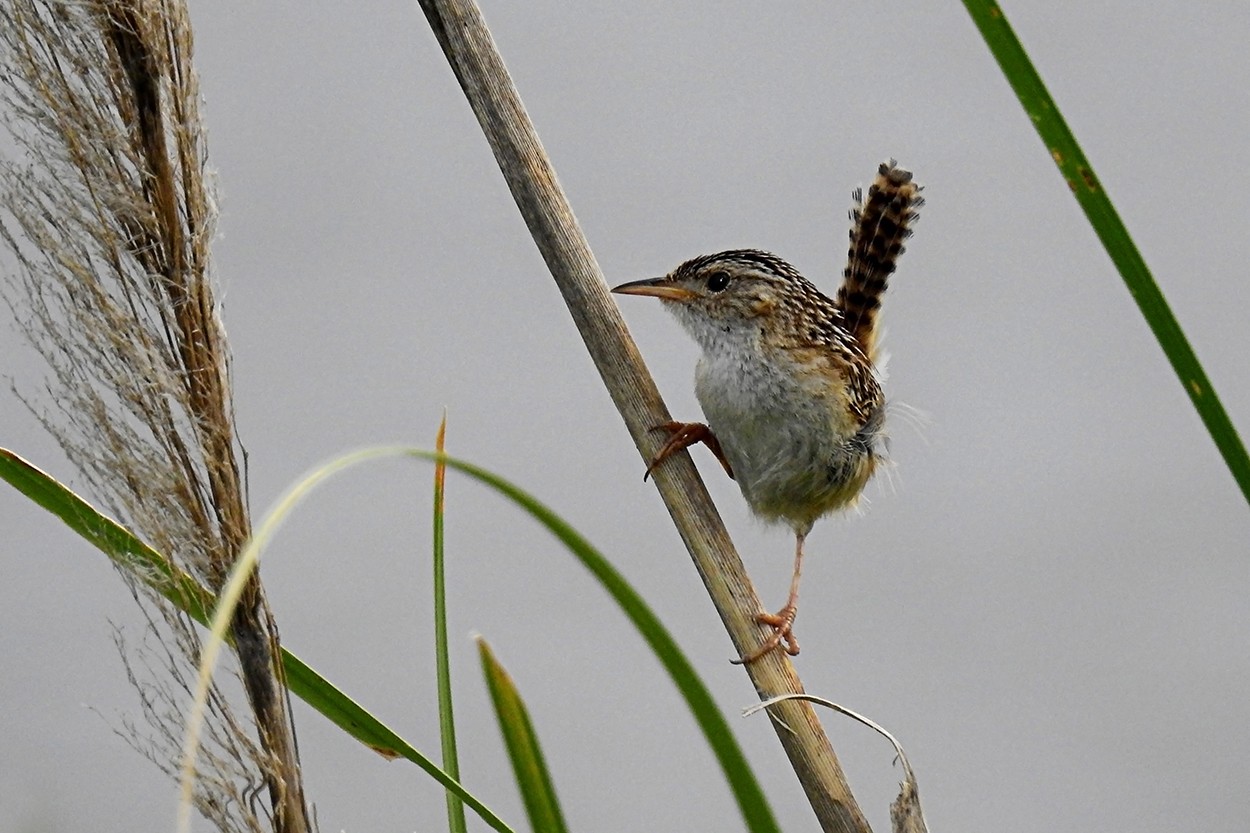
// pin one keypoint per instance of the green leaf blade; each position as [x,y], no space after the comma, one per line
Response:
[528,764]
[756,812]
[125,549]
[446,716]
[1076,169]
[753,805]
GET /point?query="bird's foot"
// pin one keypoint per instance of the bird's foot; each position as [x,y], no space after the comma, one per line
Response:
[782,623]
[683,435]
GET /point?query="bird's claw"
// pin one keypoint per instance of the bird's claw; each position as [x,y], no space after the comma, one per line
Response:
[782,623]
[683,435]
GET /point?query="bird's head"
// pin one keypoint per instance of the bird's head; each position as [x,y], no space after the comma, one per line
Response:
[723,292]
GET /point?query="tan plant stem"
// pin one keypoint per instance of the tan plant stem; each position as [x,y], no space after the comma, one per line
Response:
[470,49]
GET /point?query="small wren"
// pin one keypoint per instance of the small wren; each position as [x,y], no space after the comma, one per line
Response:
[787,380]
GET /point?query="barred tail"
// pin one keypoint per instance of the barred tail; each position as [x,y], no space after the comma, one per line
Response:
[879,225]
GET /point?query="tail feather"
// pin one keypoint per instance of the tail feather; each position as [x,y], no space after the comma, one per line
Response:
[879,225]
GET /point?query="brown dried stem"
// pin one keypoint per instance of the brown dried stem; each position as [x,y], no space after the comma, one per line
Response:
[471,51]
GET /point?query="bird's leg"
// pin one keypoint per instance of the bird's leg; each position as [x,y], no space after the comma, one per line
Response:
[683,435]
[782,622]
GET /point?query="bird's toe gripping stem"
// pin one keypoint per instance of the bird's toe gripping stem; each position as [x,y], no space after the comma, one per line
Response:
[683,435]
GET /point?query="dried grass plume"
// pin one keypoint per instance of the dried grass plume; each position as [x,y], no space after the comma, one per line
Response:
[107,208]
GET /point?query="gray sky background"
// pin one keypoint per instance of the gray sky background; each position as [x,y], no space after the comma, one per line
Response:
[1048,607]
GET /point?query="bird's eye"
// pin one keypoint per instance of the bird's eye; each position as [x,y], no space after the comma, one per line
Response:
[718,280]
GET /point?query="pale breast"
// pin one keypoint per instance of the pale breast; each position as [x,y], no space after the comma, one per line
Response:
[796,450]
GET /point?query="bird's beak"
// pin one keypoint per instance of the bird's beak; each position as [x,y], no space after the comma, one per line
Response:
[656,288]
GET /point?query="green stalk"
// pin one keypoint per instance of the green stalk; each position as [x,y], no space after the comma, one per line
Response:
[446,719]
[1085,186]
[529,766]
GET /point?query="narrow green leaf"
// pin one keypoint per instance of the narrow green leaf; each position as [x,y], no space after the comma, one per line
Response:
[446,718]
[528,765]
[183,591]
[108,536]
[1084,184]
[742,782]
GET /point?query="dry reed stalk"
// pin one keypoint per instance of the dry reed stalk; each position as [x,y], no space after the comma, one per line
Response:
[479,68]
[108,209]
